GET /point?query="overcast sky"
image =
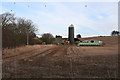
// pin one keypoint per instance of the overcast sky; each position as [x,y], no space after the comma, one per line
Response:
[88,18]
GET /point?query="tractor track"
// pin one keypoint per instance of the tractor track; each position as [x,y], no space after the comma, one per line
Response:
[50,54]
[46,52]
[40,53]
[45,57]
[72,50]
[22,53]
[34,53]
[54,51]
[59,50]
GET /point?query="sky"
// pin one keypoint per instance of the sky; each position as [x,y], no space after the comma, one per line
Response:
[89,18]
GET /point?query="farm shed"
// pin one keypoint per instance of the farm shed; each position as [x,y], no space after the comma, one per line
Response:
[36,41]
[90,43]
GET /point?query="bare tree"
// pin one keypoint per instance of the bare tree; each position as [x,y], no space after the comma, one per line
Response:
[26,27]
[16,31]
[7,18]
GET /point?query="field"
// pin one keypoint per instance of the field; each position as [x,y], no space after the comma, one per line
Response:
[65,61]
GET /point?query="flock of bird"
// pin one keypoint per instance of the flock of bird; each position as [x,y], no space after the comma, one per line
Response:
[29,5]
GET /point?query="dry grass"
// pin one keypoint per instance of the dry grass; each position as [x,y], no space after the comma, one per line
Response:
[64,62]
[51,61]
[15,51]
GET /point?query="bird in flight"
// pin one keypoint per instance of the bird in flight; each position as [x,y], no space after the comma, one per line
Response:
[85,5]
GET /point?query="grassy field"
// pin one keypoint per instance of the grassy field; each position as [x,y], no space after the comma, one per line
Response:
[51,61]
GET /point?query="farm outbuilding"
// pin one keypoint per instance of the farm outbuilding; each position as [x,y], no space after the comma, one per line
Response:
[90,43]
[36,41]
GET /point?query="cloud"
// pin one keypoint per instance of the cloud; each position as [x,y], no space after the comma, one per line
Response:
[95,19]
[63,16]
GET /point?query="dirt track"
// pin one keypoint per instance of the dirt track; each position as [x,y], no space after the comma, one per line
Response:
[53,61]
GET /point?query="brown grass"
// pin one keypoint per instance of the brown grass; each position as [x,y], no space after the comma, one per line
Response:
[51,61]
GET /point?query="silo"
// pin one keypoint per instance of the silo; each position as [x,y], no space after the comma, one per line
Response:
[71,34]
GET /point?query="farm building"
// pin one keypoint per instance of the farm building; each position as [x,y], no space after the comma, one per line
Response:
[90,42]
[36,41]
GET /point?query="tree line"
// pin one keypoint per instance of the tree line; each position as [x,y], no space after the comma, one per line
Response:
[115,33]
[16,31]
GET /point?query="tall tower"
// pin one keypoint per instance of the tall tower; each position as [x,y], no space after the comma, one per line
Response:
[71,34]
